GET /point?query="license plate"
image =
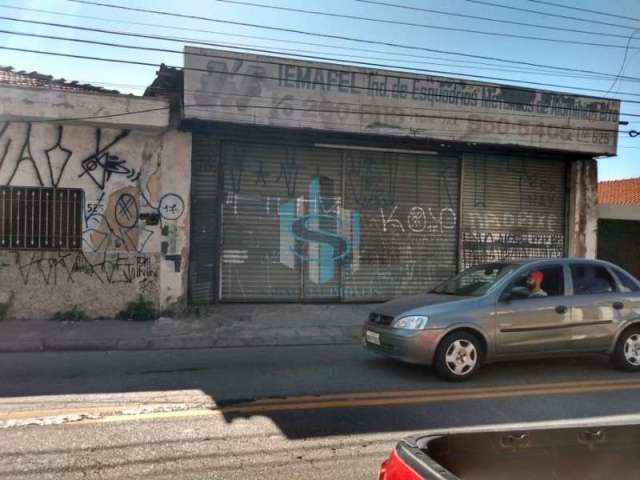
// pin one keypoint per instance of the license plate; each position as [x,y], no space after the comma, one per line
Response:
[372,337]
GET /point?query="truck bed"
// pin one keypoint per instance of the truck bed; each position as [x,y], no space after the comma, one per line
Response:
[588,451]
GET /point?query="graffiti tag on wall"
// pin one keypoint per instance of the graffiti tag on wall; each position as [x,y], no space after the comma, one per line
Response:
[523,220]
[326,237]
[114,221]
[54,268]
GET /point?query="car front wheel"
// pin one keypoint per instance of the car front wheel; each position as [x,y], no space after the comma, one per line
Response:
[458,356]
[627,353]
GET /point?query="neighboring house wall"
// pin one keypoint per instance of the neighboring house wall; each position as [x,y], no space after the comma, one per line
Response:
[619,235]
[135,186]
[619,212]
[619,223]
[618,243]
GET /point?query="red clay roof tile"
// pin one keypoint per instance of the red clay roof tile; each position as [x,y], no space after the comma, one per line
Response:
[620,192]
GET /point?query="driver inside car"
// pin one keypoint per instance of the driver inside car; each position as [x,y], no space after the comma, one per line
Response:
[534,284]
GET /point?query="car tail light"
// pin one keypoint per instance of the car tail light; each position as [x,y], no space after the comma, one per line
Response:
[393,468]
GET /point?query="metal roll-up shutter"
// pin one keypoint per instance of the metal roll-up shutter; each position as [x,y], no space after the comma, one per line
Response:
[321,228]
[407,208]
[277,203]
[204,218]
[513,207]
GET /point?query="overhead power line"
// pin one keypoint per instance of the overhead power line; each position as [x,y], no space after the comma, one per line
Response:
[623,63]
[240,35]
[218,93]
[306,122]
[466,64]
[375,42]
[94,117]
[363,88]
[287,41]
[338,37]
[587,10]
[370,64]
[411,115]
[403,55]
[326,110]
[424,25]
[549,14]
[484,2]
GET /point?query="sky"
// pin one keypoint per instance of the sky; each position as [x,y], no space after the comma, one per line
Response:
[129,78]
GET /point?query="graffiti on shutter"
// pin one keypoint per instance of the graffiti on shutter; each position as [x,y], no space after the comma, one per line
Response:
[513,208]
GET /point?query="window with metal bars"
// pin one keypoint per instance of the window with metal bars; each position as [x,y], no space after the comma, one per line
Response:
[36,218]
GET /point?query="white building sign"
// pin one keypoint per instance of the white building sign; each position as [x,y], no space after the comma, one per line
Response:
[262,90]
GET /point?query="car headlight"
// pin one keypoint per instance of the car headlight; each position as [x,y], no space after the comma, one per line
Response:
[413,322]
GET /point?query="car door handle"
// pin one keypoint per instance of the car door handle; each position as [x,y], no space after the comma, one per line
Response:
[618,305]
[561,309]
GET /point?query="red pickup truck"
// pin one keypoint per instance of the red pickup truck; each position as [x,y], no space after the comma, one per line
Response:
[571,450]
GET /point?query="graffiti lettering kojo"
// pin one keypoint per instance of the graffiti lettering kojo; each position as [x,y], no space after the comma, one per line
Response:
[320,233]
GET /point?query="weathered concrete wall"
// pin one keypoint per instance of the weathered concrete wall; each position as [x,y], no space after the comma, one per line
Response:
[583,209]
[135,217]
[25,104]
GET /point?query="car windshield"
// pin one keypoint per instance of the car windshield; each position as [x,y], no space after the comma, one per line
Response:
[475,281]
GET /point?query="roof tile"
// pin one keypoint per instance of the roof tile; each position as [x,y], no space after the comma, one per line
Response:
[9,76]
[620,192]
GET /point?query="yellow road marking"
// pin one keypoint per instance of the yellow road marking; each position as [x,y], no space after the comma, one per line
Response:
[285,406]
[440,391]
[343,400]
[439,397]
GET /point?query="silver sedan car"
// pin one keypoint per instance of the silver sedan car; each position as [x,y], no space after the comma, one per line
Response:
[508,310]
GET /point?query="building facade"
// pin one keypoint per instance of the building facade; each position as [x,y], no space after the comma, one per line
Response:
[316,182]
[93,200]
[619,223]
[251,179]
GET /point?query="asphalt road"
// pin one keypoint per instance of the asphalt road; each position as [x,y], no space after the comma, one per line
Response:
[294,412]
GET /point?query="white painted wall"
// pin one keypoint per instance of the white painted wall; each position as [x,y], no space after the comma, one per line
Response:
[610,211]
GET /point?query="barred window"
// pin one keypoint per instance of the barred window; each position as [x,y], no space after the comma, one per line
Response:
[40,218]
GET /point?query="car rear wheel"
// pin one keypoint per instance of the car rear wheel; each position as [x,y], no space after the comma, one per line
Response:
[458,356]
[627,352]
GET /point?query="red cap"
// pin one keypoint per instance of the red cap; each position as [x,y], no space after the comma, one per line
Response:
[536,276]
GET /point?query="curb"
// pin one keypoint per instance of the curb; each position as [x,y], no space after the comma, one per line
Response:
[171,343]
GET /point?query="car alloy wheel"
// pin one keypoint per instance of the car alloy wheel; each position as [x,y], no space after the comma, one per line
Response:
[458,356]
[632,350]
[461,357]
[626,355]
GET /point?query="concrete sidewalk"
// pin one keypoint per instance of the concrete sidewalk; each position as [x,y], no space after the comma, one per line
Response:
[215,326]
